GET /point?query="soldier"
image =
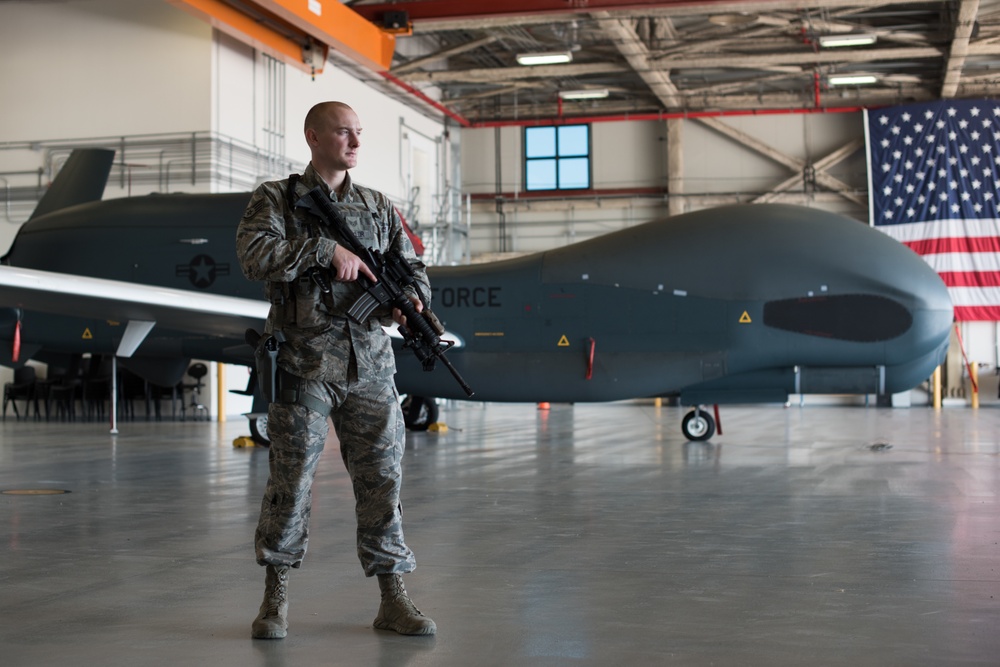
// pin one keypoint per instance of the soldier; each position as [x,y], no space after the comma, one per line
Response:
[329,366]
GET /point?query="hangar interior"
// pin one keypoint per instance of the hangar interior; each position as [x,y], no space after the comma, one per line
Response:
[591,534]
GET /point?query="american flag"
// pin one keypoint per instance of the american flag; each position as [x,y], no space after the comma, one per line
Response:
[934,179]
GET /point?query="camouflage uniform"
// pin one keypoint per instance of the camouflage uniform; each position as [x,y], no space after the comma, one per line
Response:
[347,366]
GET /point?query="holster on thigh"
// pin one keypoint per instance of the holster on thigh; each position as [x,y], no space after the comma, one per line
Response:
[290,389]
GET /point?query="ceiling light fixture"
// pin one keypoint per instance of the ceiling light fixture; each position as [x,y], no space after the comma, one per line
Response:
[828,41]
[547,58]
[585,94]
[852,80]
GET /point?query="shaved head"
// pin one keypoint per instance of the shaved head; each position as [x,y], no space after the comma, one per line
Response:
[320,115]
[333,133]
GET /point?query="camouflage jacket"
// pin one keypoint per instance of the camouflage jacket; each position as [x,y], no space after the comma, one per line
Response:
[280,246]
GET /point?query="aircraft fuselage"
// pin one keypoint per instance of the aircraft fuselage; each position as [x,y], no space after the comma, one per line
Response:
[744,303]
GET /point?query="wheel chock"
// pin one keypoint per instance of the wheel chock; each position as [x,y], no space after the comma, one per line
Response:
[244,441]
[438,427]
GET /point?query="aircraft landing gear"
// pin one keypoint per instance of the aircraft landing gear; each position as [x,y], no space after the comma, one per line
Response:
[698,425]
[258,429]
[419,412]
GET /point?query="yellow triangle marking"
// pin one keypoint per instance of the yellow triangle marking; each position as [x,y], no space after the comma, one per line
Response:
[563,342]
[745,318]
[86,334]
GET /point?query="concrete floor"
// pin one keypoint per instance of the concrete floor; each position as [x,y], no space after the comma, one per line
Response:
[586,535]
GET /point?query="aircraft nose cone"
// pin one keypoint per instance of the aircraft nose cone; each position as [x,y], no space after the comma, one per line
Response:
[933,321]
[933,312]
[924,347]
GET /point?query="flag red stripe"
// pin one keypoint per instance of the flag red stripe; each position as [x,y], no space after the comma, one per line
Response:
[955,244]
[971,278]
[977,313]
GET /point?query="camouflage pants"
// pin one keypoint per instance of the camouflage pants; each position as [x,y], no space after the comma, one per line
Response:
[369,424]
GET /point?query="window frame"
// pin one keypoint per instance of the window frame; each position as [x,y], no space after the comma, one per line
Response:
[556,159]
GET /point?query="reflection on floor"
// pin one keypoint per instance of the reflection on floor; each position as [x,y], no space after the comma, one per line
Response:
[584,535]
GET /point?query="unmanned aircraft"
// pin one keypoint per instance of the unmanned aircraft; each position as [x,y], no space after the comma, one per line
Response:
[746,303]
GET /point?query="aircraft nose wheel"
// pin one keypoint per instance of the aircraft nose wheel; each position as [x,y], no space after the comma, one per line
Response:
[419,412]
[698,425]
[258,430]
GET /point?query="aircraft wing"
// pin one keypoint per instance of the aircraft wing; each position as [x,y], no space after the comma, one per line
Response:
[141,306]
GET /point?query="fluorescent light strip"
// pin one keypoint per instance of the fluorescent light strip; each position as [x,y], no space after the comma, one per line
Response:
[586,94]
[549,58]
[846,40]
[853,80]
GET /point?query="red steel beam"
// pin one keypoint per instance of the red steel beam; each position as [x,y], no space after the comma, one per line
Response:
[421,96]
[660,115]
[427,10]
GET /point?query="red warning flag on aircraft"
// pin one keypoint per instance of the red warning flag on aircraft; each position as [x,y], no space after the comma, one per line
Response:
[16,352]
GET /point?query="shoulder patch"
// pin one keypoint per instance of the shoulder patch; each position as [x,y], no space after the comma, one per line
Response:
[254,207]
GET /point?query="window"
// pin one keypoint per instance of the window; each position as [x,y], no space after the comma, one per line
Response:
[557,158]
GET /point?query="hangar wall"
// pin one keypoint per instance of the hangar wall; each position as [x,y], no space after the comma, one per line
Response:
[111,68]
[631,171]
[102,68]
[119,68]
[85,70]
[626,156]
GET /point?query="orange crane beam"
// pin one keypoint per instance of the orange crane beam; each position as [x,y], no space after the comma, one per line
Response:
[339,27]
[298,32]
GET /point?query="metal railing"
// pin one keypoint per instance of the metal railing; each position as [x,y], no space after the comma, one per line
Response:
[199,161]
[196,162]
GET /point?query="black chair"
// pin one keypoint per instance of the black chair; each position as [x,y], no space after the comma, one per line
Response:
[24,387]
[62,388]
[198,371]
[157,392]
[97,388]
[130,388]
[63,394]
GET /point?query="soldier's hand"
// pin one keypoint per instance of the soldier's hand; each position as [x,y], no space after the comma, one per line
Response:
[398,316]
[347,266]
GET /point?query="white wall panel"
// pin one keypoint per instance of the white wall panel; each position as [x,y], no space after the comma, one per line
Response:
[234,89]
[101,68]
[715,164]
[629,154]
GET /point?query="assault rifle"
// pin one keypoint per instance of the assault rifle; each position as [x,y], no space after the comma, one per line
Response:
[423,329]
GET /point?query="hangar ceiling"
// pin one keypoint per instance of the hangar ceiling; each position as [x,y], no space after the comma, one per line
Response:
[668,58]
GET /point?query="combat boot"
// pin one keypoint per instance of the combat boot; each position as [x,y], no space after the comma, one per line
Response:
[397,611]
[272,621]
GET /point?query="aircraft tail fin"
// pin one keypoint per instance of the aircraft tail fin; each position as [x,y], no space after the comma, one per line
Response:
[81,180]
